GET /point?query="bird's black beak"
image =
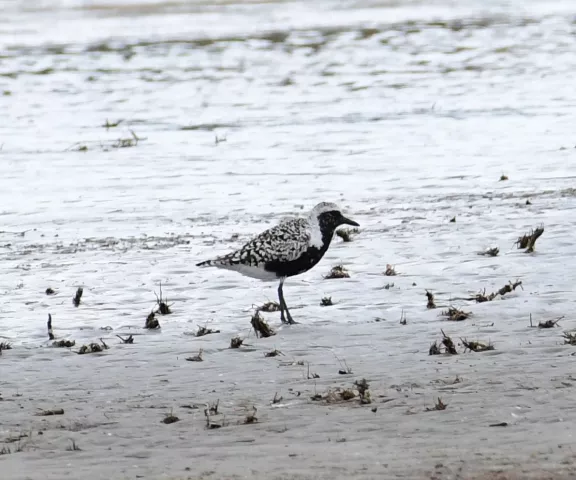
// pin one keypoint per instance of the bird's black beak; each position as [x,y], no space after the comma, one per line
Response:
[347,221]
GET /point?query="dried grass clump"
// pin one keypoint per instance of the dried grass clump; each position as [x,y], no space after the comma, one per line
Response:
[252,417]
[476,346]
[528,241]
[403,319]
[548,323]
[93,348]
[170,418]
[430,296]
[260,326]
[269,307]
[163,307]
[78,296]
[49,413]
[448,344]
[326,302]
[569,338]
[363,391]
[338,272]
[127,340]
[64,343]
[481,297]
[390,271]
[196,358]
[273,353]
[347,394]
[435,349]
[346,233]
[455,314]
[205,331]
[490,252]
[152,322]
[439,405]
[5,346]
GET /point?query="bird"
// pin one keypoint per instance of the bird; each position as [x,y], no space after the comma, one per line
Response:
[293,246]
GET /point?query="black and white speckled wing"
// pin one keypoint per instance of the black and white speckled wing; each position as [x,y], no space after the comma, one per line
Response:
[284,242]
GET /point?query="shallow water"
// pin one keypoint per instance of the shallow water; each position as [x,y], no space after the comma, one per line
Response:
[235,114]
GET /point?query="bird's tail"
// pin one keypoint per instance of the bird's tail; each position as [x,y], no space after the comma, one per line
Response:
[207,263]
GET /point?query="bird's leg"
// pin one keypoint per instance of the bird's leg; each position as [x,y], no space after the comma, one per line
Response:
[284,307]
[281,301]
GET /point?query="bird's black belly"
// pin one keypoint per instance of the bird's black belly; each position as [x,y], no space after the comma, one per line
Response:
[295,267]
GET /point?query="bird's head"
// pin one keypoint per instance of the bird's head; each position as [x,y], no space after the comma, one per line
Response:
[329,217]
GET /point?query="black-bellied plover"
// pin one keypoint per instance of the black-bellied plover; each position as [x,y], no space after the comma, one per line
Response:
[290,248]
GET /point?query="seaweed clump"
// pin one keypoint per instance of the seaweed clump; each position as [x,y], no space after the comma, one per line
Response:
[260,326]
[337,272]
[528,241]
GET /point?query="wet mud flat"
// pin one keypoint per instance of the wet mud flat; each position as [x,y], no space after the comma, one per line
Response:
[435,342]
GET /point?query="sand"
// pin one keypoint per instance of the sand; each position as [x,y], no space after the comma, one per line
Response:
[405,122]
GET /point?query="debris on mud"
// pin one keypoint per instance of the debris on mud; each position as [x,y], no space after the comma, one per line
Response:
[434,349]
[78,296]
[326,302]
[73,447]
[211,411]
[347,394]
[48,413]
[93,348]
[252,417]
[337,272]
[269,307]
[481,297]
[236,342]
[503,178]
[50,291]
[151,321]
[528,202]
[490,252]
[50,332]
[273,353]
[108,124]
[127,142]
[260,326]
[170,418]
[64,343]
[363,391]
[453,220]
[310,375]
[476,346]
[403,319]
[569,338]
[129,339]
[276,399]
[548,323]
[430,297]
[344,368]
[196,358]
[205,331]
[390,271]
[5,346]
[528,241]
[448,344]
[163,307]
[455,314]
[346,233]
[439,405]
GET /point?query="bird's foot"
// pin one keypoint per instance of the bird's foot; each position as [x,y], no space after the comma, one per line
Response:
[287,320]
[291,321]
